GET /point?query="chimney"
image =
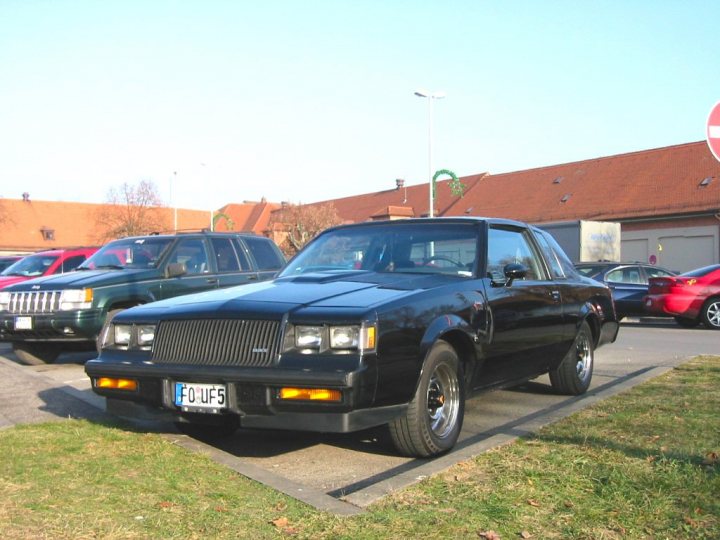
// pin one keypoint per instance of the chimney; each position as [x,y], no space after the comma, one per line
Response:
[26,197]
[399,183]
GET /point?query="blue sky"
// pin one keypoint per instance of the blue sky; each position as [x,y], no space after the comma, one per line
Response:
[225,101]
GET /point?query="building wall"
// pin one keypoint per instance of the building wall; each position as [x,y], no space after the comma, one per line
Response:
[679,245]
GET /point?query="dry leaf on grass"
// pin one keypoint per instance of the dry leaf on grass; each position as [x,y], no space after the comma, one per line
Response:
[489,535]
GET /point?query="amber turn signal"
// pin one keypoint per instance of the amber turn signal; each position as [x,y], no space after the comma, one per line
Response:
[311,394]
[116,384]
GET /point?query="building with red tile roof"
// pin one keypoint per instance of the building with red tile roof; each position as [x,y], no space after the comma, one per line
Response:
[30,225]
[667,200]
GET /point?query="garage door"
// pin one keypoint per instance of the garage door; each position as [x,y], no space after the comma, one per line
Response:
[683,253]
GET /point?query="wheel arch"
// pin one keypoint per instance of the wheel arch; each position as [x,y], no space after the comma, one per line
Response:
[454,331]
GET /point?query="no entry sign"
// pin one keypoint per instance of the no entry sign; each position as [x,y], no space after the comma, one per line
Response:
[713,131]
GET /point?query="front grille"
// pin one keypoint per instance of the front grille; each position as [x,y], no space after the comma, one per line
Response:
[217,342]
[34,302]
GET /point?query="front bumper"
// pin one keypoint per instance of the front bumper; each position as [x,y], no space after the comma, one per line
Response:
[64,326]
[253,395]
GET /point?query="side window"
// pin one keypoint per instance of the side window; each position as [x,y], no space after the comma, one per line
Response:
[626,274]
[71,263]
[225,256]
[264,252]
[192,253]
[550,256]
[240,249]
[506,246]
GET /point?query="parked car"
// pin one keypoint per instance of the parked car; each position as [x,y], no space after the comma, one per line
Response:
[45,316]
[7,260]
[692,298]
[374,323]
[44,263]
[628,282]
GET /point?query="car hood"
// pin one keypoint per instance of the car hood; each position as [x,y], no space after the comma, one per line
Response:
[352,290]
[6,281]
[79,279]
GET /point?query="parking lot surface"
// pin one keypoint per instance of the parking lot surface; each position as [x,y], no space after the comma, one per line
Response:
[344,473]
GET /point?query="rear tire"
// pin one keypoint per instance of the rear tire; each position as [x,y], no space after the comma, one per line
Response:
[34,354]
[711,313]
[434,417]
[574,373]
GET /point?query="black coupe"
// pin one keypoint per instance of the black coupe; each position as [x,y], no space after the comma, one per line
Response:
[393,322]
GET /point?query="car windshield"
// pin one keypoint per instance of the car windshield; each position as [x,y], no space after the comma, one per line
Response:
[447,248]
[30,266]
[128,253]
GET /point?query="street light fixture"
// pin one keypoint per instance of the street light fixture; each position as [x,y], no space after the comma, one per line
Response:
[430,96]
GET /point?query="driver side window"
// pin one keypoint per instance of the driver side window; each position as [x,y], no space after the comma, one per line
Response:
[508,246]
[192,253]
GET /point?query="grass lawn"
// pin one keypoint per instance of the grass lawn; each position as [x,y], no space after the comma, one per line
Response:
[643,464]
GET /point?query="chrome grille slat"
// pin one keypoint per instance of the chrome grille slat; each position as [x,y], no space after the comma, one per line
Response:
[217,342]
[29,302]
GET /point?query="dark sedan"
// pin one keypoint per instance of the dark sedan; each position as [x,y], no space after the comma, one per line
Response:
[628,282]
[374,323]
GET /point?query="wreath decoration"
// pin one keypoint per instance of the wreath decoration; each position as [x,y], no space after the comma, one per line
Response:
[456,186]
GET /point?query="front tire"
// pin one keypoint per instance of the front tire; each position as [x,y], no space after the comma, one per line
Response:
[574,373]
[434,417]
[711,314]
[34,354]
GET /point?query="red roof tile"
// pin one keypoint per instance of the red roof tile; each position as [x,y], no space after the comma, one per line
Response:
[662,181]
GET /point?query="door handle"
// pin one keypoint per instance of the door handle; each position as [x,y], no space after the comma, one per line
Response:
[212,280]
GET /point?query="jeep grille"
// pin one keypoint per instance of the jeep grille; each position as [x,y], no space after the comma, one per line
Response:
[217,342]
[34,301]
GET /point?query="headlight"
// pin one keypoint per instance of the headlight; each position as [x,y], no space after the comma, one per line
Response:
[311,339]
[145,335]
[76,299]
[4,301]
[122,334]
[344,337]
[308,337]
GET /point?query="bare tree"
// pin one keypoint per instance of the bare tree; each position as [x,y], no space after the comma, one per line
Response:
[294,225]
[130,210]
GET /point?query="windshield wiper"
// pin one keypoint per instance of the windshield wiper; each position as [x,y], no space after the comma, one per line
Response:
[111,266]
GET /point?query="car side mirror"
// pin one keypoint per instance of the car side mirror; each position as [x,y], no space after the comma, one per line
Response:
[175,270]
[514,271]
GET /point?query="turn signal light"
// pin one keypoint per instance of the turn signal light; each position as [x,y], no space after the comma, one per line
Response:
[116,384]
[311,394]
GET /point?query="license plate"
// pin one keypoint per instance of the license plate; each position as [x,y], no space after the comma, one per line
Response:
[23,323]
[197,397]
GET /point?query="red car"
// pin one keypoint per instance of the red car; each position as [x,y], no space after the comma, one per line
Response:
[692,298]
[44,263]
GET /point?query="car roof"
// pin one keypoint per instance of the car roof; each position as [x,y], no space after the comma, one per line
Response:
[190,233]
[425,221]
[60,251]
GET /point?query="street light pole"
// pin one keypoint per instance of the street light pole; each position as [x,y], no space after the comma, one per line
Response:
[430,96]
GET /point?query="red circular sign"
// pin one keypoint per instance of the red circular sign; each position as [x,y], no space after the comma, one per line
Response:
[713,131]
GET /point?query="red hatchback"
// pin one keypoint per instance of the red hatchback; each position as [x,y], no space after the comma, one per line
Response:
[692,298]
[44,263]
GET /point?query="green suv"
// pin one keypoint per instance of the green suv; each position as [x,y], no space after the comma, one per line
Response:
[45,316]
